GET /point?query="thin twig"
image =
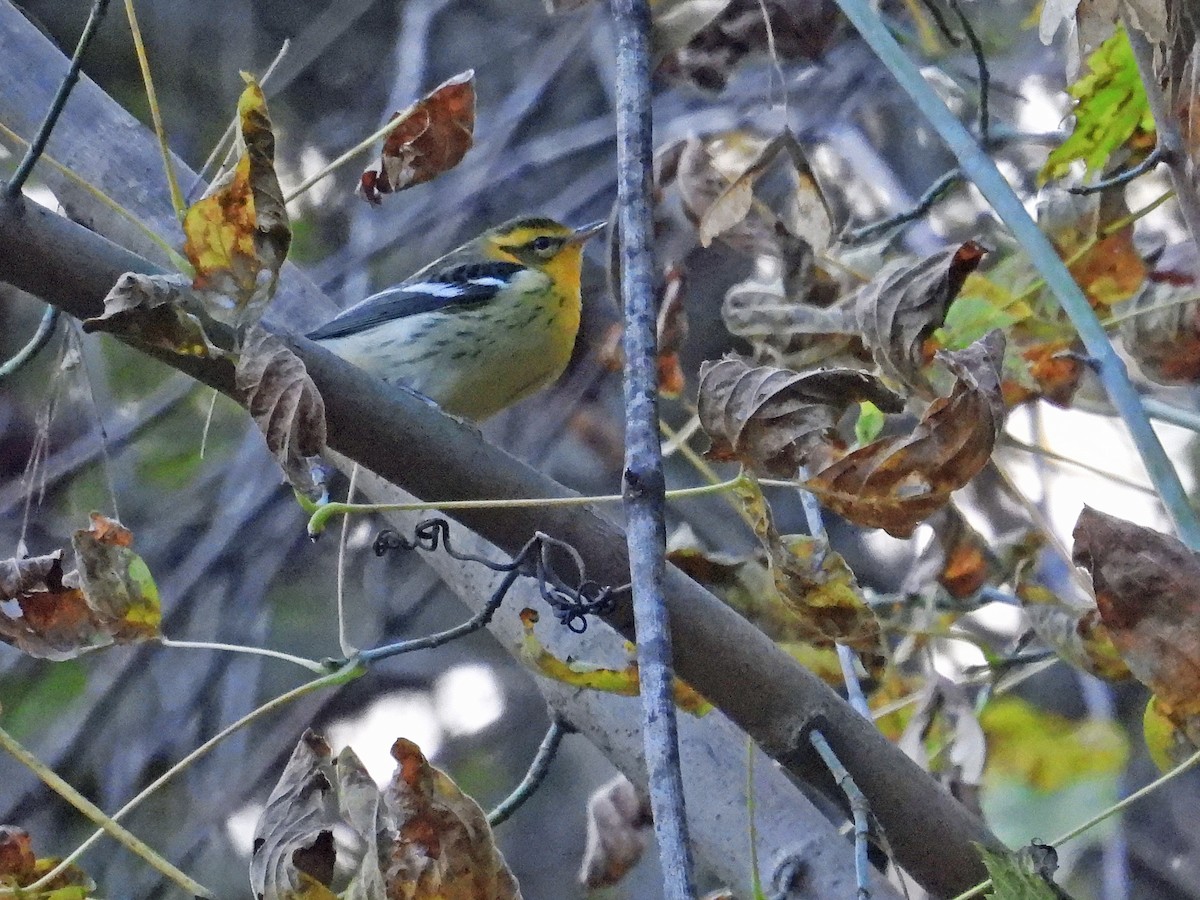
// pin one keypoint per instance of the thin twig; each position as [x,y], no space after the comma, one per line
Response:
[38,144]
[643,480]
[982,170]
[924,203]
[40,339]
[1170,140]
[177,200]
[538,769]
[860,810]
[1125,176]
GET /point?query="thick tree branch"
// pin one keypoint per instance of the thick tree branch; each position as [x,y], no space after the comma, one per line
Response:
[724,657]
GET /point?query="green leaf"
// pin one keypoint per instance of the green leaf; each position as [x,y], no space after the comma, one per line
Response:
[869,424]
[1110,108]
[969,319]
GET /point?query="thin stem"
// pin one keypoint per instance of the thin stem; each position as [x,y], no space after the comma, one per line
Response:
[538,770]
[976,164]
[326,511]
[311,664]
[341,676]
[108,825]
[38,144]
[1166,412]
[40,339]
[644,484]
[177,200]
[1046,453]
[859,810]
[1124,177]
[476,622]
[343,640]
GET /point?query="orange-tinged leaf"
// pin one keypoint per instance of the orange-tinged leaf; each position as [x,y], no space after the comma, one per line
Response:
[110,598]
[1055,369]
[898,482]
[429,138]
[237,235]
[420,838]
[624,682]
[19,869]
[773,420]
[1147,588]
[1110,271]
[1160,327]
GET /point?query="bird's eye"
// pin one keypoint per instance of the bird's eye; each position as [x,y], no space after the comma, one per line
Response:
[543,246]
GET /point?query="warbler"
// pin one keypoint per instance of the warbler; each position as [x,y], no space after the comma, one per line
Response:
[479,328]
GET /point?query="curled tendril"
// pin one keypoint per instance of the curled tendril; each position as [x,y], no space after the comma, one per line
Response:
[572,598]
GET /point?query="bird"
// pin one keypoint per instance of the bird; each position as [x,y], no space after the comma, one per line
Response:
[479,328]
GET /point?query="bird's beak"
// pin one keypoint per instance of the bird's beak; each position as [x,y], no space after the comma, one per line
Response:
[587,232]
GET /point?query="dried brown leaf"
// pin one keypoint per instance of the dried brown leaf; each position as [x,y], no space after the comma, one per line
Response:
[1162,332]
[109,599]
[903,305]
[896,483]
[618,830]
[430,137]
[153,310]
[1147,588]
[420,838]
[773,419]
[275,388]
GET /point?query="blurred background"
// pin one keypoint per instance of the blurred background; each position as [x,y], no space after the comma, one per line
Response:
[114,431]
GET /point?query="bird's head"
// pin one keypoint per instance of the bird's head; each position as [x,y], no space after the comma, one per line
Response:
[542,244]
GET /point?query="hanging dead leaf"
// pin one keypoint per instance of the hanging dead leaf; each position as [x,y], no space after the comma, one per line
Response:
[237,235]
[903,305]
[274,386]
[624,682]
[815,584]
[618,830]
[429,138]
[943,736]
[420,838]
[160,311]
[773,420]
[898,482]
[701,183]
[959,558]
[1053,371]
[1147,588]
[110,598]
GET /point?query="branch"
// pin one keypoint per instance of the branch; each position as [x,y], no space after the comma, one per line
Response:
[644,482]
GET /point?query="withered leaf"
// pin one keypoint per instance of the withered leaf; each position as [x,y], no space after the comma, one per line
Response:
[420,838]
[897,482]
[815,584]
[730,207]
[160,311]
[772,420]
[701,183]
[275,388]
[429,138]
[237,235]
[110,598]
[902,306]
[1147,588]
[618,829]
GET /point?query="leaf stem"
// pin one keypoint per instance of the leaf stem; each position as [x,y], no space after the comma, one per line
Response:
[310,664]
[177,200]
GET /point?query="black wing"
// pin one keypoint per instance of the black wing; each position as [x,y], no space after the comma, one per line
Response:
[462,285]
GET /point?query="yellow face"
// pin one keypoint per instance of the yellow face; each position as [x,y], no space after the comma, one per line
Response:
[541,244]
